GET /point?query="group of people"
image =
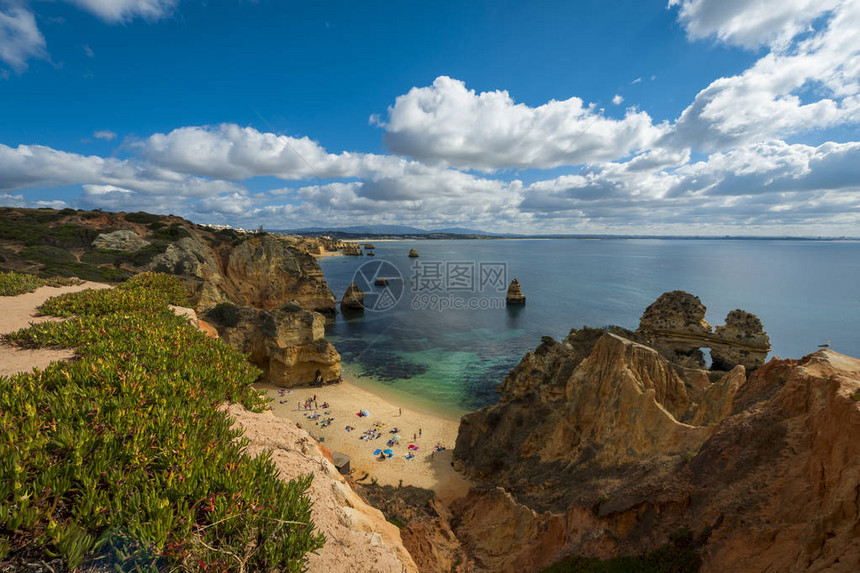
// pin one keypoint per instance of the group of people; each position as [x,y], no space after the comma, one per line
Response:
[311,404]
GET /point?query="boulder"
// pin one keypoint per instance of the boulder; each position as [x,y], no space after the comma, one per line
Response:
[122,240]
[413,254]
[288,345]
[515,296]
[353,300]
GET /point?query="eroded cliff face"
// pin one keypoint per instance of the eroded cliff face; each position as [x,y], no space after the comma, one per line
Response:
[275,292]
[602,446]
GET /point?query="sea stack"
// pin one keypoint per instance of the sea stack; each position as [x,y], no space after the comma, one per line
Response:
[353,300]
[515,296]
[413,254]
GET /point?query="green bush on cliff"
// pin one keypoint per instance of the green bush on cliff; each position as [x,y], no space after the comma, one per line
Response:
[123,459]
[680,555]
[225,313]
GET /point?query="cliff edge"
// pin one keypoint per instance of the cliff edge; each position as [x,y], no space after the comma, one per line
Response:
[608,444]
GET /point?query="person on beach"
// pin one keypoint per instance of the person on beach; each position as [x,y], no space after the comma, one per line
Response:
[419,432]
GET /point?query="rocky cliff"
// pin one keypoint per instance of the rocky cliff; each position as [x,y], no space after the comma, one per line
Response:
[608,444]
[262,292]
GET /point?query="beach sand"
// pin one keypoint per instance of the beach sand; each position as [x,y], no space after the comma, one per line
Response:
[428,469]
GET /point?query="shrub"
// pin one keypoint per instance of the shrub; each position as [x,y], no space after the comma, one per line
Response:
[142,217]
[123,459]
[174,232]
[12,283]
[225,313]
[680,555]
[48,255]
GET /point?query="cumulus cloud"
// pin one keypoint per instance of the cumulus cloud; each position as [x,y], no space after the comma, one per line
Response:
[617,99]
[20,38]
[447,123]
[749,24]
[808,84]
[763,185]
[232,152]
[118,11]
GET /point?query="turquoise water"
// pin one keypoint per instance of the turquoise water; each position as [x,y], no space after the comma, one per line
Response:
[804,292]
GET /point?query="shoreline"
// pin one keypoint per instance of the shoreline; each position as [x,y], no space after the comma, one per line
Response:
[428,469]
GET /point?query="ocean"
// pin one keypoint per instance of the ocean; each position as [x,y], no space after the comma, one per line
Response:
[441,336]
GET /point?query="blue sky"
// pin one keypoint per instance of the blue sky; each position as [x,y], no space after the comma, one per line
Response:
[702,116]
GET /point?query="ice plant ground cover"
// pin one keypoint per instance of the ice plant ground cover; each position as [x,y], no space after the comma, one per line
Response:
[12,283]
[123,460]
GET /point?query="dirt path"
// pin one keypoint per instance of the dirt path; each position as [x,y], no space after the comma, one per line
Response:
[17,312]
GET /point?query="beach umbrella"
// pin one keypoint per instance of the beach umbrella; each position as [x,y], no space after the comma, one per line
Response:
[397,437]
[365,413]
[387,452]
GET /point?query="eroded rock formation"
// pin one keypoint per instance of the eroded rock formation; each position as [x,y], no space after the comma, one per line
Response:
[602,445]
[515,296]
[413,253]
[288,345]
[676,321]
[353,300]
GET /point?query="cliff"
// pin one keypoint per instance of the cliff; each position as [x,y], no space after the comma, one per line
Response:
[262,292]
[602,445]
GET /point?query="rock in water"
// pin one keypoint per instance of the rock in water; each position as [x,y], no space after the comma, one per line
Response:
[515,296]
[123,240]
[413,253]
[353,300]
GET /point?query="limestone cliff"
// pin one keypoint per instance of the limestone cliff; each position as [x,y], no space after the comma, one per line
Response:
[602,445]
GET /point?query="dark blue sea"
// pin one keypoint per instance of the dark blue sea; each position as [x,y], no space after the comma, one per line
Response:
[441,336]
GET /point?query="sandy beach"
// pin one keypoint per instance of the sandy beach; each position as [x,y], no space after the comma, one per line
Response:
[428,468]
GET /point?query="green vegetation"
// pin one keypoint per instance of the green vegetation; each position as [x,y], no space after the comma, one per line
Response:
[123,460]
[225,313]
[680,555]
[173,232]
[12,283]
[142,217]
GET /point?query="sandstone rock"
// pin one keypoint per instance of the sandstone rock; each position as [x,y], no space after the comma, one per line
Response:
[122,240]
[744,338]
[515,296]
[288,346]
[676,321]
[771,483]
[353,300]
[413,253]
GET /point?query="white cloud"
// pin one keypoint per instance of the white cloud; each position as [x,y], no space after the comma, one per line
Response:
[449,124]
[20,38]
[232,152]
[118,11]
[750,24]
[617,99]
[808,85]
[104,134]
